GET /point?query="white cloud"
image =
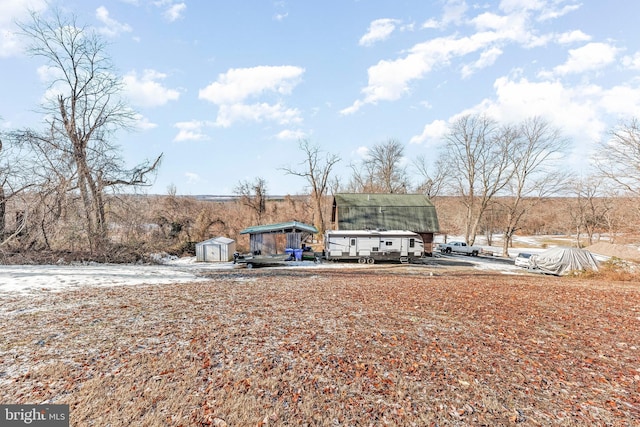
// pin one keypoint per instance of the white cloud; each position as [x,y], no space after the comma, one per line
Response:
[573,36]
[54,78]
[592,56]
[47,73]
[511,6]
[574,110]
[389,80]
[280,16]
[580,112]
[491,22]
[147,91]
[175,11]
[433,131]
[111,28]
[172,10]
[362,152]
[12,11]
[513,28]
[190,131]
[546,9]
[238,84]
[621,101]
[143,123]
[352,108]
[290,134]
[487,58]
[379,30]
[192,177]
[552,12]
[232,113]
[632,62]
[233,88]
[453,13]
[431,23]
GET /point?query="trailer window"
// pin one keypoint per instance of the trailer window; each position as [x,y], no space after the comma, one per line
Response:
[412,243]
[353,242]
[388,243]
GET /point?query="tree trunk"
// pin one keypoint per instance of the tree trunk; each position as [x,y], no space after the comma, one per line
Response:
[319,218]
[3,211]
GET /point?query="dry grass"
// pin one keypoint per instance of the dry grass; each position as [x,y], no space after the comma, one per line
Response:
[343,348]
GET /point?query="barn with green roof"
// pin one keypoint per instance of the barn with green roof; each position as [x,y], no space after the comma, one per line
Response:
[413,212]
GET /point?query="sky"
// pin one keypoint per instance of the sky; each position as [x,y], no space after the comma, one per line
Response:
[227,90]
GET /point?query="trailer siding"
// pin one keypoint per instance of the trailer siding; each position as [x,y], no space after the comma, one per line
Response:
[370,246]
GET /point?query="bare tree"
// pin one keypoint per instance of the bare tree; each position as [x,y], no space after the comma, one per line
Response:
[534,156]
[3,197]
[433,179]
[477,158]
[590,209]
[16,177]
[317,171]
[618,159]
[83,111]
[382,171]
[254,196]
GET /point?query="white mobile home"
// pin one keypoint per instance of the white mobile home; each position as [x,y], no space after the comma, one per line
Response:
[215,250]
[369,246]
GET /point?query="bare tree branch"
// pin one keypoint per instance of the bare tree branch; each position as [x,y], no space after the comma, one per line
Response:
[618,159]
[83,113]
[316,170]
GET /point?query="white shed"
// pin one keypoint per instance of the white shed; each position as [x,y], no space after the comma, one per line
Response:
[215,249]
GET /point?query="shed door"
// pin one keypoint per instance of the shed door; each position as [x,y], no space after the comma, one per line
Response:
[212,253]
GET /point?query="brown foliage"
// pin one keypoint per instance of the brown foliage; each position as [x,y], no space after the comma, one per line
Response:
[363,347]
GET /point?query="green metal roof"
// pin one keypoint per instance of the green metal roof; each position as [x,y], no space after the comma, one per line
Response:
[282,227]
[413,212]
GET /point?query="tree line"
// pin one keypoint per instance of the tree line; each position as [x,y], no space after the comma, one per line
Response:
[500,172]
[66,186]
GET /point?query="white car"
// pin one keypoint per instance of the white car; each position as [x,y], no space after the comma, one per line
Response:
[522,260]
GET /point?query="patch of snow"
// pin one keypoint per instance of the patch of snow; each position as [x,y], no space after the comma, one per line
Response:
[33,278]
[26,279]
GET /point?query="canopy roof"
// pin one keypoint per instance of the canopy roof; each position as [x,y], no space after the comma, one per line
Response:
[282,227]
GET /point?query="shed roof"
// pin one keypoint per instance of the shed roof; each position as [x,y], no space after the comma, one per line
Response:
[413,212]
[282,227]
[219,240]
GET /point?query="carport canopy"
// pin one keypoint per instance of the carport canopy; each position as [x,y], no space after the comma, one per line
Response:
[263,238]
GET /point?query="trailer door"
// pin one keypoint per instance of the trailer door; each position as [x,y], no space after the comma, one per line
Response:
[404,246]
[353,248]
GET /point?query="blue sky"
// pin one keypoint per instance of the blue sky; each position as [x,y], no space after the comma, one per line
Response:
[226,89]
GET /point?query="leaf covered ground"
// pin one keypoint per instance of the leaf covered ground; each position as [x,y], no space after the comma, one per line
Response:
[338,348]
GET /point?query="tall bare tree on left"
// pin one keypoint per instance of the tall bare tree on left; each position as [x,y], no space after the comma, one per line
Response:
[84,109]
